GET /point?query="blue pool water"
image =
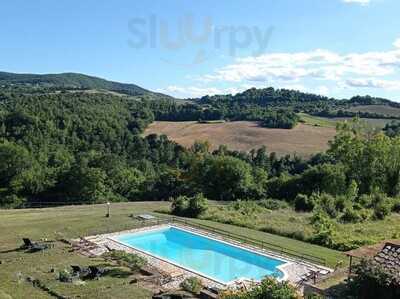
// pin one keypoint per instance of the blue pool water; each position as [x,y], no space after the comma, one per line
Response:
[211,258]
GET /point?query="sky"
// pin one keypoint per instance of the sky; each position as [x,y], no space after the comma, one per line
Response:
[189,48]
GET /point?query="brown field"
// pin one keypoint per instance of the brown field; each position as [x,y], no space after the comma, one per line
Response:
[381,109]
[303,140]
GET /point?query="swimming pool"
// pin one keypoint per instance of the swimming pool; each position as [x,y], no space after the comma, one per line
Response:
[214,259]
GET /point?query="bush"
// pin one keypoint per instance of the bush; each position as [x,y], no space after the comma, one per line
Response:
[179,205]
[192,284]
[273,204]
[130,260]
[341,203]
[328,204]
[324,229]
[351,216]
[198,204]
[396,205]
[366,201]
[304,203]
[189,206]
[382,210]
[65,276]
[269,288]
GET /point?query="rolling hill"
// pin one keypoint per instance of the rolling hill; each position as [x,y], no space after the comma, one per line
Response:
[304,140]
[75,81]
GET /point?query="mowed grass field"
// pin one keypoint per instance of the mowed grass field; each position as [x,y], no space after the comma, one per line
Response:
[74,221]
[304,140]
[381,109]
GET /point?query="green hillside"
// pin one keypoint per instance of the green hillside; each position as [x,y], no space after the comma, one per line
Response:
[74,81]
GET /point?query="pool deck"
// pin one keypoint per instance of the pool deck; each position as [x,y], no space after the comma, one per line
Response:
[294,270]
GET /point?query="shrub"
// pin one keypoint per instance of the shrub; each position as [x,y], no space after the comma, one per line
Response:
[365,200]
[65,276]
[328,204]
[396,205]
[189,206]
[192,284]
[351,216]
[273,204]
[269,288]
[198,204]
[341,203]
[381,210]
[130,260]
[179,205]
[324,229]
[304,203]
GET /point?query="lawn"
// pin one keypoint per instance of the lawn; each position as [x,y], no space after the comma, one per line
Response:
[63,222]
[330,122]
[380,109]
[74,221]
[317,121]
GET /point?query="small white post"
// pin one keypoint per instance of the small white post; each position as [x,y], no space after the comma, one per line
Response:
[108,210]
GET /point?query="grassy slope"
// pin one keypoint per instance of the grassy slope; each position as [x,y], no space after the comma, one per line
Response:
[71,222]
[381,109]
[317,121]
[331,122]
[287,222]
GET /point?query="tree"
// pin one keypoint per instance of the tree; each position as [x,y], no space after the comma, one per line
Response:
[373,281]
[16,174]
[223,177]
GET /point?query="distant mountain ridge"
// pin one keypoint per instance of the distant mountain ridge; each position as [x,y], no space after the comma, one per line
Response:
[266,97]
[74,81]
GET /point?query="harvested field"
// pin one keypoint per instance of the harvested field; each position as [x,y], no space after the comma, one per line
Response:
[303,140]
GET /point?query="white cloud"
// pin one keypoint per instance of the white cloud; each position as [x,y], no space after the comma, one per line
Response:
[316,64]
[397,43]
[198,91]
[362,2]
[374,83]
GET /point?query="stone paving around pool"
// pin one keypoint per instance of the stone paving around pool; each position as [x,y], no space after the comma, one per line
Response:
[295,270]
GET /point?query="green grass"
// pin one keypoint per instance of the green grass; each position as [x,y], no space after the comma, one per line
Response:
[66,222]
[74,221]
[317,121]
[287,222]
[380,109]
[328,122]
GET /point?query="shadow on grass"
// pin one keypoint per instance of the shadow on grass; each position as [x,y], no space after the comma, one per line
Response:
[117,273]
[18,249]
[338,291]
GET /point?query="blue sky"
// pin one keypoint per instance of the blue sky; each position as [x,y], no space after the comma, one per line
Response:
[189,48]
